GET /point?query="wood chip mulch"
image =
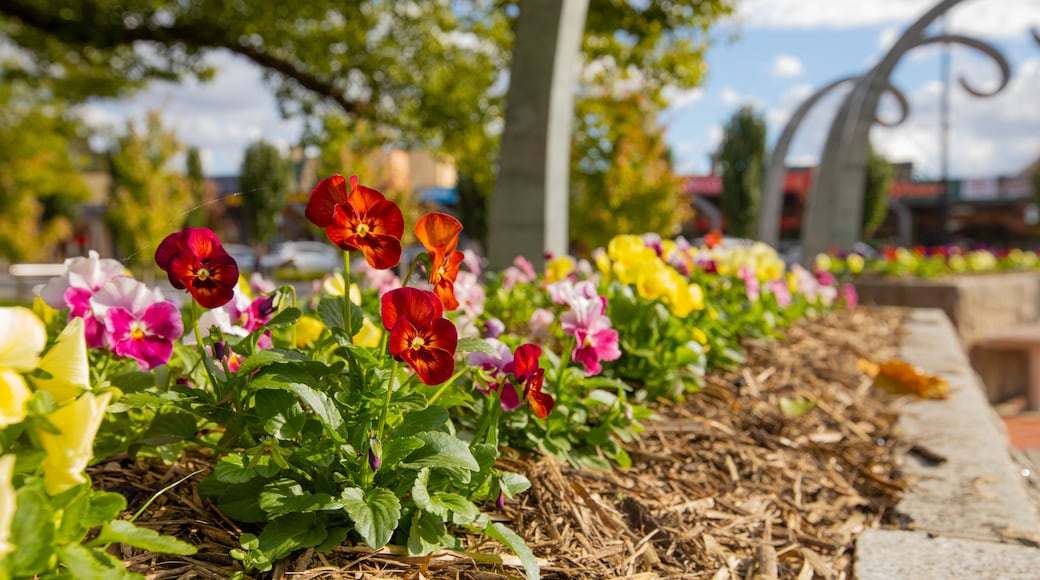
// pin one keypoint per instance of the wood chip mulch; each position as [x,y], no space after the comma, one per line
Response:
[723,486]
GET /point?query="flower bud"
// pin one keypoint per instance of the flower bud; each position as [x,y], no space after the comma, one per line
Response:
[266,306]
[220,350]
[500,503]
[375,452]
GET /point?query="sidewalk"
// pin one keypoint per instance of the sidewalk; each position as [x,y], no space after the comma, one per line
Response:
[972,514]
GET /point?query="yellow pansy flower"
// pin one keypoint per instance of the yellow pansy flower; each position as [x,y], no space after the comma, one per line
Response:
[602,261]
[559,268]
[69,451]
[308,329]
[855,263]
[823,262]
[67,364]
[652,280]
[369,335]
[22,337]
[699,336]
[333,286]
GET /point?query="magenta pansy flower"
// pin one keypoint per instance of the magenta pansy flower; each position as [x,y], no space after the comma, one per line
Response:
[72,290]
[139,323]
[595,340]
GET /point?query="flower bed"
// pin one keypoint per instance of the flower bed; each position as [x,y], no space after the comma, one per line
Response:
[384,413]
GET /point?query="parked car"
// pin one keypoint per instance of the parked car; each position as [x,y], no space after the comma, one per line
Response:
[303,256]
[244,256]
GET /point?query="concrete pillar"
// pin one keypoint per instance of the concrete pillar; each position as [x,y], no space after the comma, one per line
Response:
[529,207]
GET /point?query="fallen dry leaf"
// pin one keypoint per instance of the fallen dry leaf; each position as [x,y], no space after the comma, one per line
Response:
[896,376]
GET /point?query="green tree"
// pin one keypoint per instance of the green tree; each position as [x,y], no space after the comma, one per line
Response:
[742,156]
[622,174]
[427,74]
[40,180]
[149,200]
[199,214]
[264,182]
[875,194]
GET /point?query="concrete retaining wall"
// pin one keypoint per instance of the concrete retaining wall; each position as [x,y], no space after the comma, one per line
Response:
[977,304]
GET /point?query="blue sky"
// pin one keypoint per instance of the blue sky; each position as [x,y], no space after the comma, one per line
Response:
[783,51]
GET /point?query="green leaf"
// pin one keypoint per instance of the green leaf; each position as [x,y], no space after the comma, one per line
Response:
[321,404]
[335,537]
[513,484]
[286,496]
[285,317]
[330,310]
[133,381]
[442,450]
[170,425]
[262,358]
[397,448]
[425,419]
[32,532]
[795,406]
[515,543]
[375,514]
[473,344]
[104,506]
[283,535]
[124,532]
[485,454]
[281,413]
[238,501]
[461,509]
[84,563]
[232,469]
[426,534]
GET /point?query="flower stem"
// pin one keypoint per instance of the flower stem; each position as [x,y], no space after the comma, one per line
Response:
[386,402]
[346,296]
[444,386]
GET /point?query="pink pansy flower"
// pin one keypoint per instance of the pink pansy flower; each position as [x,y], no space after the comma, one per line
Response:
[751,285]
[496,367]
[260,285]
[538,325]
[596,340]
[83,277]
[472,261]
[521,272]
[780,291]
[566,292]
[851,296]
[139,323]
[654,242]
[382,280]
[470,294]
[219,318]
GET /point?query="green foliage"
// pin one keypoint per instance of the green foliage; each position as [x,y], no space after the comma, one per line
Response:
[875,194]
[742,156]
[622,172]
[199,216]
[264,182]
[149,200]
[40,180]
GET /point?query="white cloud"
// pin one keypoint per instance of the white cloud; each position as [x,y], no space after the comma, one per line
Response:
[785,66]
[221,117]
[729,96]
[1012,18]
[988,137]
[681,98]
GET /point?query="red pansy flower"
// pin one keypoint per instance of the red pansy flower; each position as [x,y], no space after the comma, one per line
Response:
[713,239]
[361,219]
[193,259]
[526,370]
[419,335]
[439,234]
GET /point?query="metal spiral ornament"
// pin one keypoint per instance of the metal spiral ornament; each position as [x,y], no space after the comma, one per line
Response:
[834,208]
[772,195]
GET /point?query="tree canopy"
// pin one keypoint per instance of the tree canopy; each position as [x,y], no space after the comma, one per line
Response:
[264,181]
[416,74]
[149,200]
[742,155]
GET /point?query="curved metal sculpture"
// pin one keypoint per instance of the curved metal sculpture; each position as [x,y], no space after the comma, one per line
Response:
[834,208]
[772,184]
